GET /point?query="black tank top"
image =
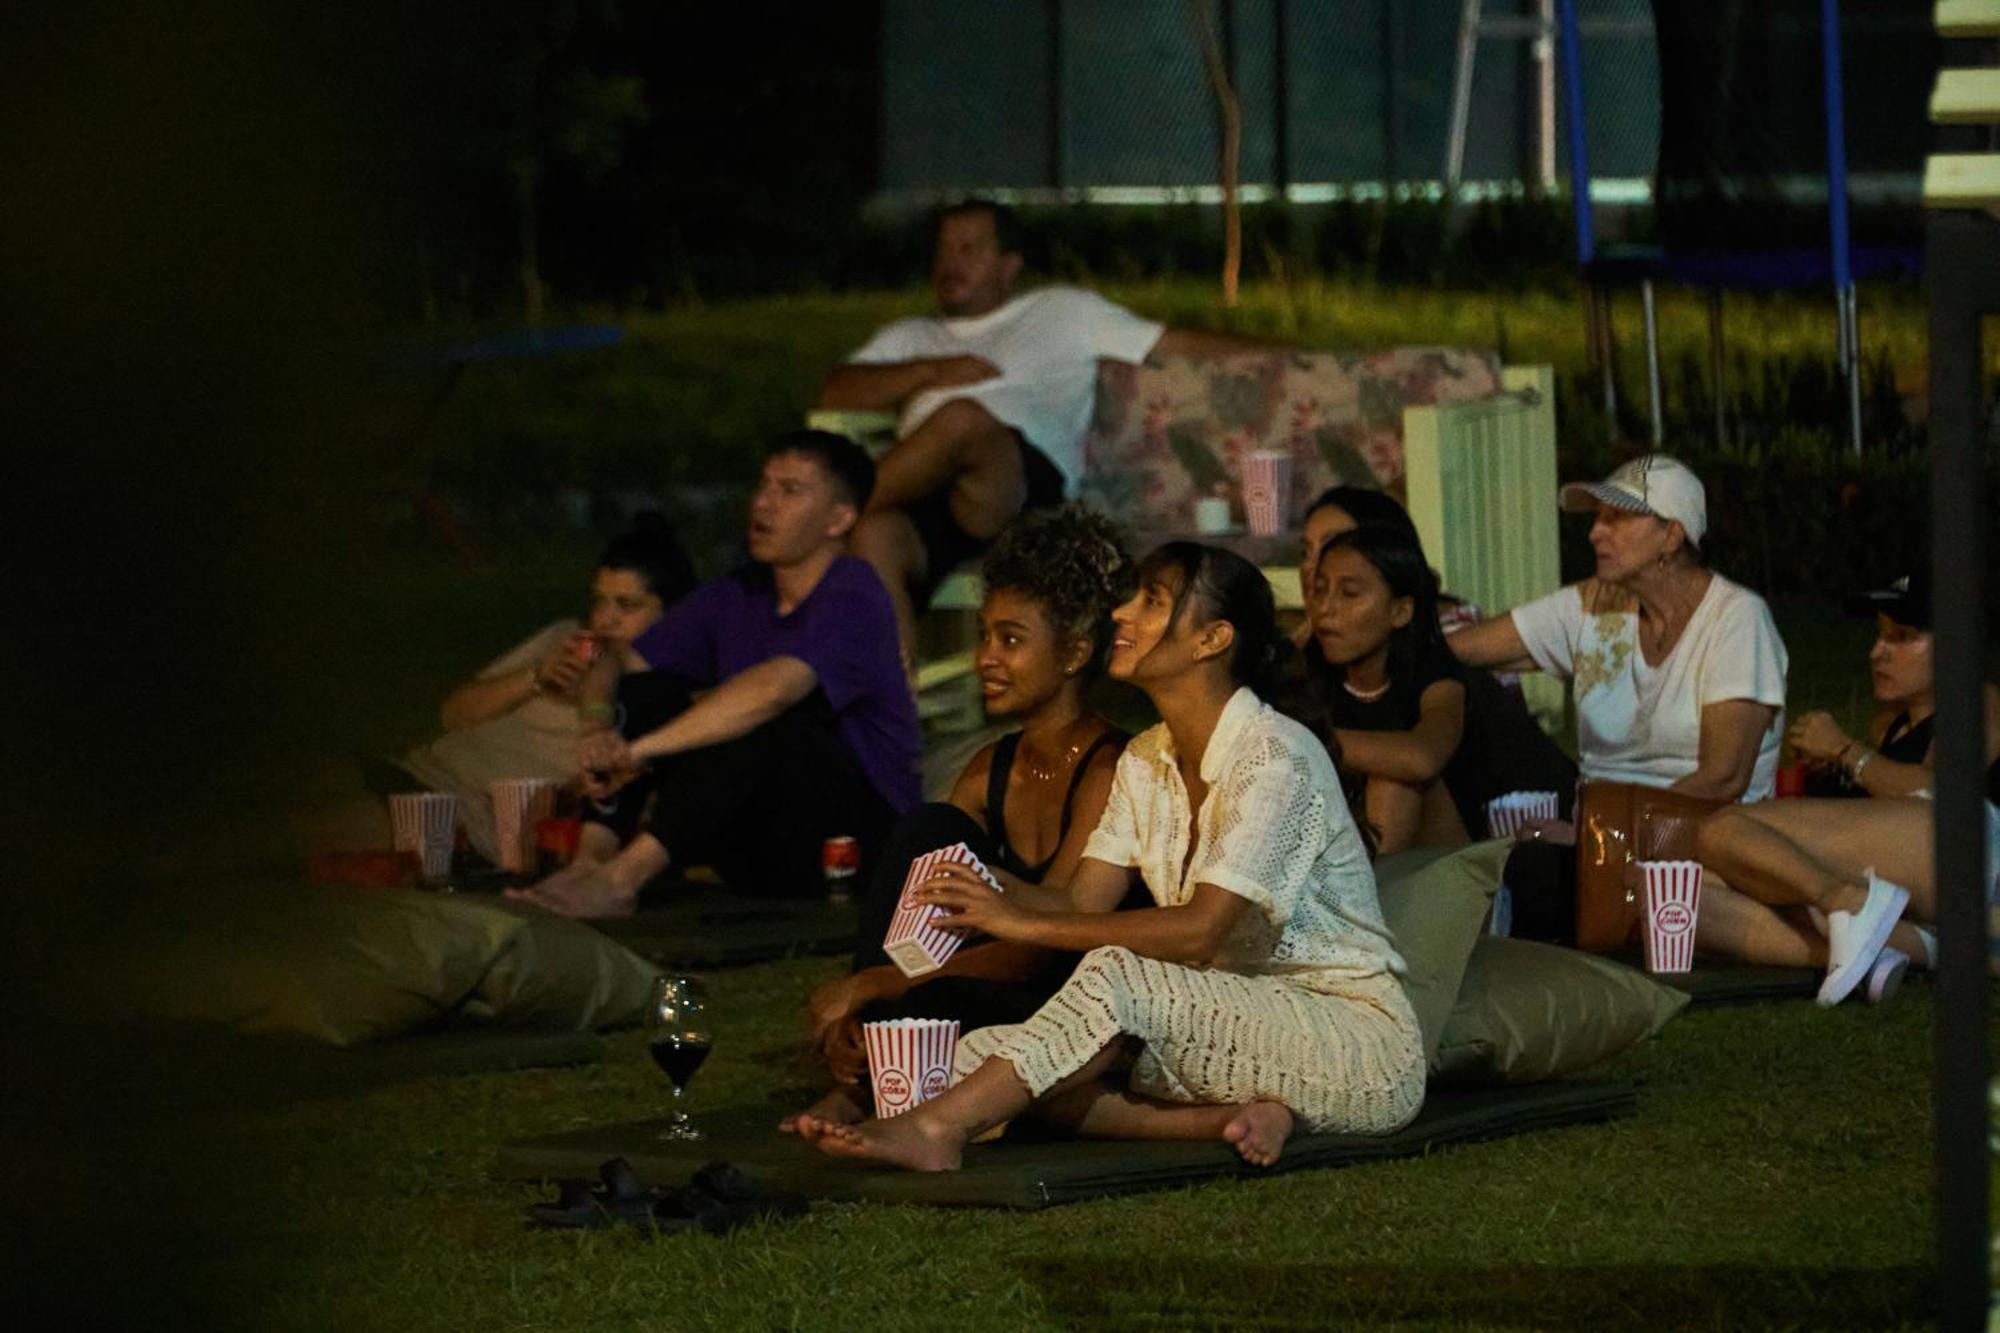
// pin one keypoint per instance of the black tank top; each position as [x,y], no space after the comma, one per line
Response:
[996,801]
[1904,744]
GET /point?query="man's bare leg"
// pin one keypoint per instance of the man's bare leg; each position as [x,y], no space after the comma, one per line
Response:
[964,448]
[888,541]
[610,889]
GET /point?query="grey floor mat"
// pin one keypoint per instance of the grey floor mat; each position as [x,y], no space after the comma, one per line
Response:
[1038,1174]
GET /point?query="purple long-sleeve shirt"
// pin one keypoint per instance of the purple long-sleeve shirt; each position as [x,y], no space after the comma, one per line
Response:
[845,630]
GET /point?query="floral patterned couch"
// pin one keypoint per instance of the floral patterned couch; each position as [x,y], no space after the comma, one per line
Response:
[1169,432]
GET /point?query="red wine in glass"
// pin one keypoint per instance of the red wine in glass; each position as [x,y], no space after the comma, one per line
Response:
[677,1038]
[679,1057]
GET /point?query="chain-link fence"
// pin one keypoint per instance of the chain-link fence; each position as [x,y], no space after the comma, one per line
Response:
[1110,97]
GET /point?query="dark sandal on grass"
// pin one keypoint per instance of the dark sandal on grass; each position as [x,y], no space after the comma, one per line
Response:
[718,1200]
[722,1199]
[579,1205]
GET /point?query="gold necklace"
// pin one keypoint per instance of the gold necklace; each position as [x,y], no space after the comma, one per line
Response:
[1041,774]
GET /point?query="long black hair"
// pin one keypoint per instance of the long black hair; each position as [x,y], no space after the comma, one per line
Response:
[650,549]
[1400,562]
[1220,585]
[1365,507]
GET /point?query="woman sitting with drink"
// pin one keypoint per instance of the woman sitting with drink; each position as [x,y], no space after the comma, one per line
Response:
[518,717]
[1839,883]
[1025,804]
[1261,991]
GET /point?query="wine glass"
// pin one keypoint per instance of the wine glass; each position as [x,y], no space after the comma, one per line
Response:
[677,1037]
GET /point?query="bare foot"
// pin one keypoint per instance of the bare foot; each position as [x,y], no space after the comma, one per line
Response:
[907,1140]
[1259,1131]
[589,892]
[839,1107]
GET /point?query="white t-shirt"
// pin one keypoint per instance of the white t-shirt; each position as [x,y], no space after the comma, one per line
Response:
[535,740]
[1046,345]
[1640,723]
[1275,830]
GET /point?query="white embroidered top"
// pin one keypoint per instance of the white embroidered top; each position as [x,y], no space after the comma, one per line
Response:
[1274,829]
[1636,722]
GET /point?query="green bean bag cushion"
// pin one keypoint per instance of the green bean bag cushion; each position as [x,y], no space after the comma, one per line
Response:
[344,966]
[1528,1012]
[1435,902]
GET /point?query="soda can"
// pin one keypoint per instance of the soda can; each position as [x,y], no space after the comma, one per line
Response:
[839,863]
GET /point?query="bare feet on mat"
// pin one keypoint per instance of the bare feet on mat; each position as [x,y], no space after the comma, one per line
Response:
[1259,1131]
[580,891]
[842,1106]
[905,1140]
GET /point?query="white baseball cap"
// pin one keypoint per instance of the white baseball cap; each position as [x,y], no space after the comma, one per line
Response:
[1652,484]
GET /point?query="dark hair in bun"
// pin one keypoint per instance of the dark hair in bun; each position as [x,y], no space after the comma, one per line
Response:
[650,549]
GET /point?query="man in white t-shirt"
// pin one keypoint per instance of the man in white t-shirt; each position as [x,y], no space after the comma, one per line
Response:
[995,392]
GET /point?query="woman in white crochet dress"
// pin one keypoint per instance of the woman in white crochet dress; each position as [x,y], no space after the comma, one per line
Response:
[1263,992]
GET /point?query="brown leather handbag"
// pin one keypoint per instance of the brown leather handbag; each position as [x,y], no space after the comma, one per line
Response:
[1618,823]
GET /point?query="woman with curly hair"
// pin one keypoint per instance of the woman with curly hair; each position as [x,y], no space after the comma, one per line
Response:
[1025,804]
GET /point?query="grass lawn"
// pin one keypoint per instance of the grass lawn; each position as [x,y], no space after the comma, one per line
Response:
[1777,1174]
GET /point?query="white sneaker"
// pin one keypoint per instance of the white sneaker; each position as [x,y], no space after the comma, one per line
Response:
[1855,939]
[1887,975]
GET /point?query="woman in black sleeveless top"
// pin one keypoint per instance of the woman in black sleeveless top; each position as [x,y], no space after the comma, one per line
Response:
[1026,804]
[1848,884]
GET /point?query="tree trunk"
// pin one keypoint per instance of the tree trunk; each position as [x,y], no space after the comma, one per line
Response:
[1232,146]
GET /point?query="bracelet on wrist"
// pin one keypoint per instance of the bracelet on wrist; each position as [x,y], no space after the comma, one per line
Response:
[1854,770]
[594,711]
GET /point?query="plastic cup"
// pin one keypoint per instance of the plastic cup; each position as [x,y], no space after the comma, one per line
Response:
[909,1061]
[1211,515]
[1791,781]
[1267,491]
[518,805]
[426,822]
[1509,814]
[1673,903]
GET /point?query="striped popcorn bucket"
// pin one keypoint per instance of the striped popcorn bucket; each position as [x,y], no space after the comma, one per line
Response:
[916,942]
[1673,900]
[1267,490]
[909,1061]
[1509,814]
[426,822]
[518,805]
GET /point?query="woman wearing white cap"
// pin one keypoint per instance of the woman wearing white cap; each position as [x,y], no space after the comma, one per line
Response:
[1679,673]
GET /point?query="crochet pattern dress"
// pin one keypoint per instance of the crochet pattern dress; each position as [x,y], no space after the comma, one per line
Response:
[1303,1005]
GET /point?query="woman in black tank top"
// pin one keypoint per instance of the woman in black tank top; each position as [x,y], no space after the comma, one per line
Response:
[1842,883]
[1026,804]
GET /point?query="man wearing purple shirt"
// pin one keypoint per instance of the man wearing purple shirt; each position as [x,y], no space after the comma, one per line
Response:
[777,713]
